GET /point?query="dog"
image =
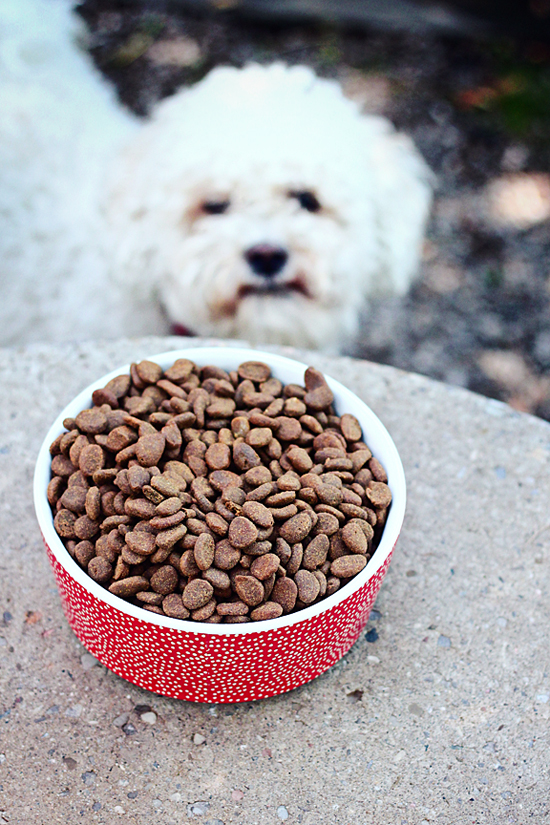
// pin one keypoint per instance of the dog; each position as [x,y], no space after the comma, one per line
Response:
[259,204]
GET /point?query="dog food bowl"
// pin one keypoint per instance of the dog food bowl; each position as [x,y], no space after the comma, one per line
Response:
[221,662]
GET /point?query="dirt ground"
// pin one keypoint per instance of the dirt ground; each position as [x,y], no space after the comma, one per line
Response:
[479,111]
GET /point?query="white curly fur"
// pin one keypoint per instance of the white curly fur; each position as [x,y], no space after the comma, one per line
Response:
[102,230]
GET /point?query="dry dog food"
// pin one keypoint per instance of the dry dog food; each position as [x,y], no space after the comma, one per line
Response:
[217,496]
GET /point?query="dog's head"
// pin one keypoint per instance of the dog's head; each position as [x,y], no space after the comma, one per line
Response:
[260,204]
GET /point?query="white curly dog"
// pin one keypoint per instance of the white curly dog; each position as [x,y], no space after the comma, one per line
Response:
[259,204]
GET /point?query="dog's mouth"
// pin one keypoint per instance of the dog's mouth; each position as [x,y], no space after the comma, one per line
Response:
[297,286]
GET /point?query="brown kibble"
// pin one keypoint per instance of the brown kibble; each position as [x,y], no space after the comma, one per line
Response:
[316,552]
[84,552]
[129,587]
[264,566]
[300,459]
[318,393]
[218,456]
[347,566]
[140,542]
[204,551]
[245,456]
[232,609]
[64,522]
[255,371]
[296,528]
[196,594]
[379,494]
[120,437]
[140,508]
[217,578]
[354,538]
[172,605]
[350,427]
[100,570]
[226,556]
[164,580]
[308,586]
[85,528]
[285,593]
[74,499]
[180,370]
[249,590]
[149,449]
[258,513]
[93,503]
[242,532]
[378,472]
[92,421]
[91,459]
[268,610]
[149,372]
[289,429]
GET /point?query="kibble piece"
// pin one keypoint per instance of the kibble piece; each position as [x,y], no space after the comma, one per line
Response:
[196,594]
[268,610]
[242,532]
[289,429]
[315,554]
[149,449]
[92,421]
[300,459]
[100,570]
[264,566]
[180,370]
[255,371]
[85,528]
[129,587]
[165,580]
[91,459]
[217,578]
[296,528]
[258,513]
[249,590]
[149,372]
[74,499]
[218,456]
[64,523]
[379,494]
[318,395]
[285,593]
[354,538]
[347,566]
[226,556]
[172,606]
[140,542]
[308,586]
[204,551]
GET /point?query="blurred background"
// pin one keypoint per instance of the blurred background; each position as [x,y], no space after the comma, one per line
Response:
[470,82]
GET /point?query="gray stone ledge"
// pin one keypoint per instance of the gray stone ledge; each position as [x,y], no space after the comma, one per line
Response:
[438,714]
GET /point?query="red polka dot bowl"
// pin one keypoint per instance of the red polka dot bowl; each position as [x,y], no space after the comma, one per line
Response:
[228,662]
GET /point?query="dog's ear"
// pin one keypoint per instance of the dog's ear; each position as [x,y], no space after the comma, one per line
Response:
[402,197]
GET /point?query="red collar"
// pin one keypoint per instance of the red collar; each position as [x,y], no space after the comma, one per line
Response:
[185,332]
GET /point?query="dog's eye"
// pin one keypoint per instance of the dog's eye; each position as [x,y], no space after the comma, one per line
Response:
[307,200]
[215,207]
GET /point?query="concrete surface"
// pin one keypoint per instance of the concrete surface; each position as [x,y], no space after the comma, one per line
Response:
[438,714]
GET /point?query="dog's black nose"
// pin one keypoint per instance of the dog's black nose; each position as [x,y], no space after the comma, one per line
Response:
[265,259]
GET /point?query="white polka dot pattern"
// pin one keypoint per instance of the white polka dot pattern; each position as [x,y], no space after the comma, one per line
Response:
[210,667]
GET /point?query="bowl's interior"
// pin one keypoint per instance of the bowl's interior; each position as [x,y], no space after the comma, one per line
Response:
[287,371]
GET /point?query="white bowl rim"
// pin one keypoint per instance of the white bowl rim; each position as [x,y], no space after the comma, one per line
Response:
[235,356]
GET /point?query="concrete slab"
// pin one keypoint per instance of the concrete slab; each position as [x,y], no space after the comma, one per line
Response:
[438,714]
